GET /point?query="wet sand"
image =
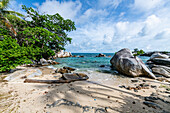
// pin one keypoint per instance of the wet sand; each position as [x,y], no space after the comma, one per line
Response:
[100,94]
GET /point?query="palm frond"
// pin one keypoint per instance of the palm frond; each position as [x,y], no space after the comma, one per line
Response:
[9,16]
[4,4]
[13,13]
[6,22]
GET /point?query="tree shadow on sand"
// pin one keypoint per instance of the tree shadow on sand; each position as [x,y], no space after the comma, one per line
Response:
[92,97]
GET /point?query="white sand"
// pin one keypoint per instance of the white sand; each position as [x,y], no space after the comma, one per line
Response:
[78,97]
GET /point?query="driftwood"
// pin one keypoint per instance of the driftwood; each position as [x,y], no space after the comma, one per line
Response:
[50,81]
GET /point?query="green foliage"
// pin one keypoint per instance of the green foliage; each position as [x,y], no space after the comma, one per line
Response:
[22,41]
[47,32]
[11,54]
[3,32]
[17,22]
[3,4]
[137,52]
[33,53]
[3,9]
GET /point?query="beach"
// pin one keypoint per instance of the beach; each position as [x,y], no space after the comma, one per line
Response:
[92,96]
[84,56]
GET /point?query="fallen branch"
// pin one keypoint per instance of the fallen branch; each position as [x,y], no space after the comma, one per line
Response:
[50,81]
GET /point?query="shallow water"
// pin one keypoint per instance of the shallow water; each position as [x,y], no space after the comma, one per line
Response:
[90,64]
[89,61]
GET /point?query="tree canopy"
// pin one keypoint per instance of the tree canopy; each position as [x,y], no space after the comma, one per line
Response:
[40,37]
[137,52]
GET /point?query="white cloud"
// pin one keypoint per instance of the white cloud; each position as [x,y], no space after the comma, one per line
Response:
[109,3]
[162,35]
[14,6]
[149,5]
[122,14]
[150,25]
[36,4]
[67,9]
[99,31]
[111,36]
[107,39]
[91,14]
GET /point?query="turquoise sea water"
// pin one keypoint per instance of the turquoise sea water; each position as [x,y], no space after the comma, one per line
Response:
[89,61]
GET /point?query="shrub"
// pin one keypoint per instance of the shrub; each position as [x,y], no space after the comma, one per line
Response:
[11,54]
[137,52]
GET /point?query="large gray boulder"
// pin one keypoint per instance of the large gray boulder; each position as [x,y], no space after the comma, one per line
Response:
[151,53]
[168,54]
[158,55]
[161,70]
[127,64]
[161,61]
[42,61]
[160,64]
[75,76]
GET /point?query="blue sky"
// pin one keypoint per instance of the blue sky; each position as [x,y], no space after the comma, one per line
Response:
[110,25]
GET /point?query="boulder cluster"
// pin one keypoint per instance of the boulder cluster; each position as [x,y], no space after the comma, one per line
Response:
[62,54]
[124,62]
[45,62]
[42,62]
[160,64]
[68,75]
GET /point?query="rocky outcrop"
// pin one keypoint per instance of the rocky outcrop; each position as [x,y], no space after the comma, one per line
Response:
[42,62]
[158,55]
[160,64]
[45,62]
[25,73]
[161,70]
[161,61]
[151,53]
[75,76]
[81,56]
[101,55]
[67,75]
[125,63]
[63,54]
[69,68]
[74,56]
[64,70]
[52,62]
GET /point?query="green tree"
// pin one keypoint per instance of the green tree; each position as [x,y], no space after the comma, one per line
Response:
[35,39]
[137,52]
[47,32]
